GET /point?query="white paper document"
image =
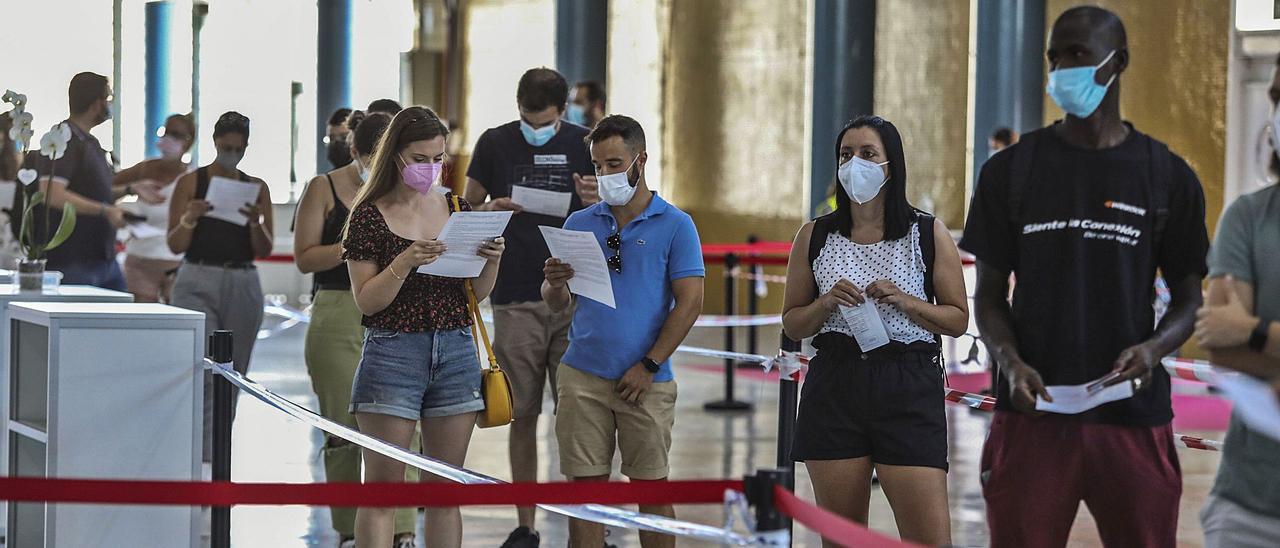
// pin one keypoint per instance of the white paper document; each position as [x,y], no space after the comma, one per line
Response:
[1072,399]
[544,202]
[868,328]
[580,250]
[1254,402]
[228,196]
[462,235]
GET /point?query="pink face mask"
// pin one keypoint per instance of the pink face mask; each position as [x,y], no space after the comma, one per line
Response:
[421,177]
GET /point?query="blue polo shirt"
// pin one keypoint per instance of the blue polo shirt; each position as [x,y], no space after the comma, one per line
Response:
[658,247]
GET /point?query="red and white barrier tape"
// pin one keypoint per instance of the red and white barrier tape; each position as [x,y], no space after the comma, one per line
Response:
[768,278]
[1191,370]
[831,526]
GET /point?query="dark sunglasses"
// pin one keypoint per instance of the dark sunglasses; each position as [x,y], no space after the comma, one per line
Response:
[615,243]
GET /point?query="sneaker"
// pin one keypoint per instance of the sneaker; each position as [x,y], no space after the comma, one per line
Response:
[406,540]
[522,537]
[347,543]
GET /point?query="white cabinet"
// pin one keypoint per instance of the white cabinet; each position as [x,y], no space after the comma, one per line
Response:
[105,390]
[9,294]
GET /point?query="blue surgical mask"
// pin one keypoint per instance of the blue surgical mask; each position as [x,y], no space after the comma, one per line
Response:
[576,114]
[1076,90]
[537,137]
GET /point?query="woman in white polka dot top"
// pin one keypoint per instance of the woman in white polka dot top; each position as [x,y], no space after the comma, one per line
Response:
[879,407]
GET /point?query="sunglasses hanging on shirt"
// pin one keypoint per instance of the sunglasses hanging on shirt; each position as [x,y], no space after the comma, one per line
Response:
[615,243]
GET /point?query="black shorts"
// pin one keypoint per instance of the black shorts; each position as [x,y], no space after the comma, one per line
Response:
[887,404]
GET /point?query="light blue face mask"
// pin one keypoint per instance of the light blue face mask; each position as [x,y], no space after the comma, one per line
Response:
[576,114]
[1076,90]
[537,137]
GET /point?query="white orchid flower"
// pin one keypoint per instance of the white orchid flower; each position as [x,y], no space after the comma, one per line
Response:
[54,144]
[64,130]
[27,176]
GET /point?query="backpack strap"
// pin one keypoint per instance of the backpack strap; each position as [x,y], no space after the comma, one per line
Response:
[822,226]
[1161,180]
[927,251]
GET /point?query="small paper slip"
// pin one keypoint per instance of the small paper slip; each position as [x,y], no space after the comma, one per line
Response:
[8,189]
[227,197]
[1072,399]
[1254,402]
[868,327]
[144,230]
[582,251]
[463,234]
[545,202]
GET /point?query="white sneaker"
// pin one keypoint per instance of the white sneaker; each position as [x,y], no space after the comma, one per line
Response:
[406,541]
[349,543]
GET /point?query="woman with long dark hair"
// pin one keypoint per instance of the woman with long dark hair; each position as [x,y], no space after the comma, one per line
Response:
[419,360]
[879,407]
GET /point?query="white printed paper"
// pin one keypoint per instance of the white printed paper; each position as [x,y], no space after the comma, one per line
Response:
[463,235]
[580,250]
[544,202]
[1072,399]
[867,326]
[1254,402]
[227,197]
[8,189]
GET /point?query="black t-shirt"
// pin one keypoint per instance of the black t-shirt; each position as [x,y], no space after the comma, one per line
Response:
[503,159]
[1085,260]
[89,174]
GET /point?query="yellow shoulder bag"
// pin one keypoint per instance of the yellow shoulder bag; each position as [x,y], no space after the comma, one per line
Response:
[494,386]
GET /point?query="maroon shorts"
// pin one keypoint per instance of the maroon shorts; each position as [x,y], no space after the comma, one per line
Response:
[1035,472]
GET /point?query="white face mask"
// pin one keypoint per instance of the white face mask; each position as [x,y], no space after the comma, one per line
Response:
[616,189]
[862,179]
[364,171]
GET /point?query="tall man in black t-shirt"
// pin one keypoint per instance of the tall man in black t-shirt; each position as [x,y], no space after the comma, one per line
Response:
[82,177]
[1084,213]
[538,166]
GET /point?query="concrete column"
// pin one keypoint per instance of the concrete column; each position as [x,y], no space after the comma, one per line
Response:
[1009,78]
[333,68]
[158,46]
[844,67]
[581,39]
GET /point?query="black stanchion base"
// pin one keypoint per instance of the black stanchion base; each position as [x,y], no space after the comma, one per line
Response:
[728,405]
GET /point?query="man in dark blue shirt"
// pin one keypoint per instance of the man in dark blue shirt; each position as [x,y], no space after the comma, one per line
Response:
[82,177]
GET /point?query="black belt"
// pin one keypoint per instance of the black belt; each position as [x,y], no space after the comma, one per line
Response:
[232,265]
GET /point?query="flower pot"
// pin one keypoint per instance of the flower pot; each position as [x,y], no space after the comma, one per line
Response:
[31,274]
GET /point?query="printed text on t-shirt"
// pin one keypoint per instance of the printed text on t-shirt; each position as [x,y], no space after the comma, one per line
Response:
[1122,233]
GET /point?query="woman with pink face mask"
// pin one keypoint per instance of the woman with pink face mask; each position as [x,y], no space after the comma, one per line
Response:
[419,362]
[148,263]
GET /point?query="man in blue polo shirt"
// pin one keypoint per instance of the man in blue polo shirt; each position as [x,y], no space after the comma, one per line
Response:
[615,380]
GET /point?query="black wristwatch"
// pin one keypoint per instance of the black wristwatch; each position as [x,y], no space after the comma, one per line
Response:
[651,365]
[1258,339]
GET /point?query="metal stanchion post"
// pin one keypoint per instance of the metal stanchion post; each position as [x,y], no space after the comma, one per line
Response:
[772,527]
[788,401]
[730,294]
[753,303]
[223,400]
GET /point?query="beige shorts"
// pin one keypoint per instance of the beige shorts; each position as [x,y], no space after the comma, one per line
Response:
[528,340]
[591,416]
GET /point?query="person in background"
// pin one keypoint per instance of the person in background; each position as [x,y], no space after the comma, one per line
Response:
[616,387]
[217,276]
[11,209]
[541,153]
[880,409]
[419,361]
[334,335]
[1084,212]
[82,177]
[1240,327]
[1001,139]
[148,262]
[586,104]
[337,139]
[387,106]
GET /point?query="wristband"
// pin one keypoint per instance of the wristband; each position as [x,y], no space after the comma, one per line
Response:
[650,365]
[102,211]
[1258,339]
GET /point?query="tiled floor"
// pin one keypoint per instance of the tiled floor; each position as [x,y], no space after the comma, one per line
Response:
[270,447]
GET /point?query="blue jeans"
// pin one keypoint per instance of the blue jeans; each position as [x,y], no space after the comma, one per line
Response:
[104,274]
[418,374]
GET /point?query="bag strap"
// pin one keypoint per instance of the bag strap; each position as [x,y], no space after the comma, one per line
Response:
[473,306]
[1161,180]
[818,237]
[927,251]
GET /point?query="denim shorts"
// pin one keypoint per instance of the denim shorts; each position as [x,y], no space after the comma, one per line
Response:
[415,375]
